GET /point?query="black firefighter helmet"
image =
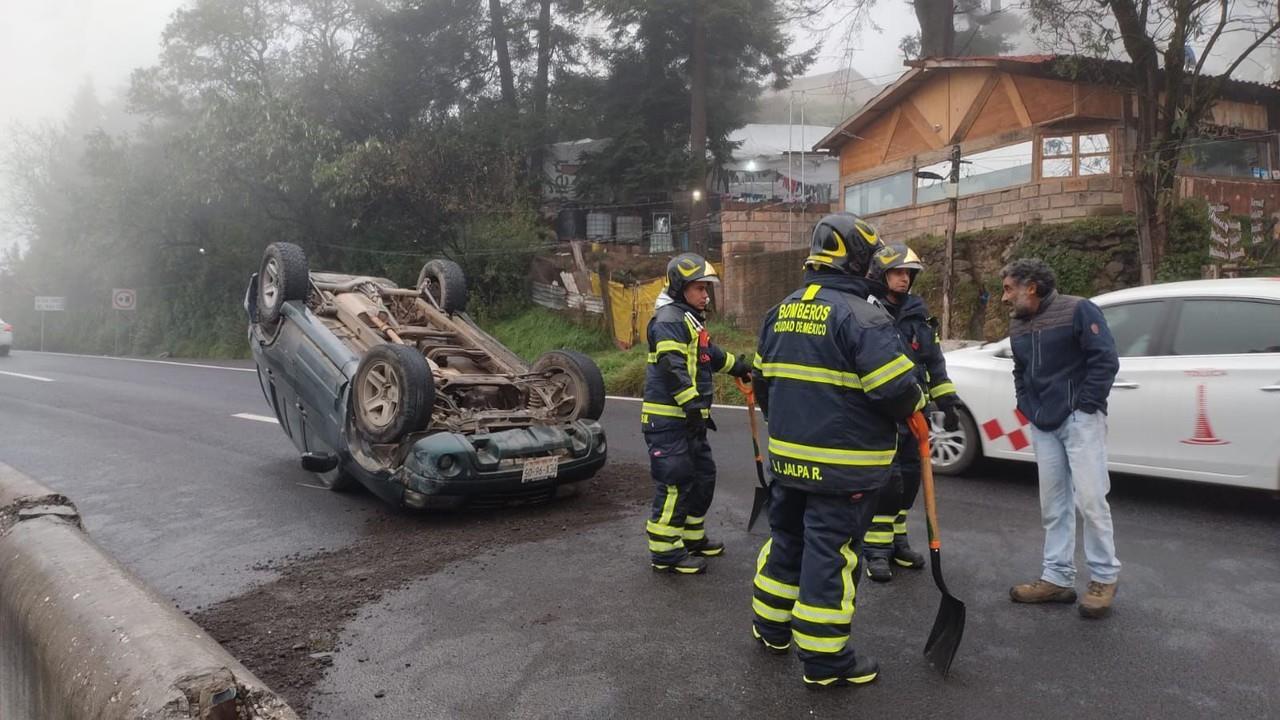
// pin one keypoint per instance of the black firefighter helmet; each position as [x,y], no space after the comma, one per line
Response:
[687,268]
[843,241]
[891,257]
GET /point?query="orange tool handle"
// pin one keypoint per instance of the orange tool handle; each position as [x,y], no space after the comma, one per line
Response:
[920,428]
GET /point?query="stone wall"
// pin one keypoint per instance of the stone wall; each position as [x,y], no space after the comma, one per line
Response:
[1055,200]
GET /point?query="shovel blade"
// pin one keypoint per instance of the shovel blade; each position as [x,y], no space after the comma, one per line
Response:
[948,629]
[758,503]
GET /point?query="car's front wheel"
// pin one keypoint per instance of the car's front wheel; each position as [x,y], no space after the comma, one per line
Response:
[392,393]
[953,451]
[578,377]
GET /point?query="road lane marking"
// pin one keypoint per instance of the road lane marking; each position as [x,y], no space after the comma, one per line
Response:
[259,418]
[144,360]
[635,399]
[27,377]
[313,487]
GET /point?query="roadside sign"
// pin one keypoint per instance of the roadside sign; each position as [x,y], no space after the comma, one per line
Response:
[124,299]
[49,303]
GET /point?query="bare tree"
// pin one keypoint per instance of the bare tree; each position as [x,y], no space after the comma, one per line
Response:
[1173,93]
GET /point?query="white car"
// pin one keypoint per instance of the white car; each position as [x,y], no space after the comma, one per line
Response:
[6,337]
[1197,396]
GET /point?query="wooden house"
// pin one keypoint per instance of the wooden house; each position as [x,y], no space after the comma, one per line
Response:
[1037,145]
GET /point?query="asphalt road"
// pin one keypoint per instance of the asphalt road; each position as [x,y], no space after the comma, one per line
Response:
[200,502]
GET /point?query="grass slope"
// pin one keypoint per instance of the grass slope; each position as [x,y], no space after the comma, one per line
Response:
[537,330]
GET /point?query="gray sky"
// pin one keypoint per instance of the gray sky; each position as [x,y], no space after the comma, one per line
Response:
[48,48]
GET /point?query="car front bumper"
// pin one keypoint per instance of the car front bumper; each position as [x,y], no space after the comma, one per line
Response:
[445,469]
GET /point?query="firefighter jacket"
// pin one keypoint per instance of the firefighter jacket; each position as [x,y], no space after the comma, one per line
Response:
[680,362]
[919,333]
[833,379]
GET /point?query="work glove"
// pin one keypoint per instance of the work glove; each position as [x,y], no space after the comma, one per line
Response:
[741,369]
[950,418]
[694,421]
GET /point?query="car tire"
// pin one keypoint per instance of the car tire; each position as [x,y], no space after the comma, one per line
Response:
[282,277]
[579,375]
[392,393]
[337,479]
[444,281]
[955,452]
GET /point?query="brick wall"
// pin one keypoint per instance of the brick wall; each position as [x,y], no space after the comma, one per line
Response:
[755,281]
[770,228]
[762,252]
[1055,200]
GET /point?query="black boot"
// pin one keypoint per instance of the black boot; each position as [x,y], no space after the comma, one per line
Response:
[687,565]
[705,547]
[904,556]
[865,670]
[877,562]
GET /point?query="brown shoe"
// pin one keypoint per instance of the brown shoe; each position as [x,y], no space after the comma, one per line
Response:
[1042,591]
[1097,600]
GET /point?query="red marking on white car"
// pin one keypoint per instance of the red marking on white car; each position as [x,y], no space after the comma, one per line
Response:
[1204,372]
[1203,432]
[1017,438]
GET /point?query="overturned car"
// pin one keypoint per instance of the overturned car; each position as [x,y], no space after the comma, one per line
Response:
[399,390]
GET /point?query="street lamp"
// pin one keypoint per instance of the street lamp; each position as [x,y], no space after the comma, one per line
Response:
[751,168]
[697,195]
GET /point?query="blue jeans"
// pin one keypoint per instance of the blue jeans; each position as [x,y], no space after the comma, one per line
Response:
[1073,475]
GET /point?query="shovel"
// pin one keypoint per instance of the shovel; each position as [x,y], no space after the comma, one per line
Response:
[761,499]
[948,627]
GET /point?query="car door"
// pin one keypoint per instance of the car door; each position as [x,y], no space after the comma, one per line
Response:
[1134,418]
[1224,394]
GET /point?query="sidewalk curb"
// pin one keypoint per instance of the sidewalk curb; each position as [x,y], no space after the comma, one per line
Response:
[84,638]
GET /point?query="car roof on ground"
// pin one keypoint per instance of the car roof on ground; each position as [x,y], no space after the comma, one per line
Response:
[1267,288]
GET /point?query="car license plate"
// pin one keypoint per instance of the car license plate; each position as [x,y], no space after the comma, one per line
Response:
[539,469]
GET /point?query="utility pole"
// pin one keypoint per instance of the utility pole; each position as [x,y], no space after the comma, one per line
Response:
[698,230]
[953,193]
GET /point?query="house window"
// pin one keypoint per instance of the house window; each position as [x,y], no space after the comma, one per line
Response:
[980,172]
[1075,154]
[878,195]
[1228,157]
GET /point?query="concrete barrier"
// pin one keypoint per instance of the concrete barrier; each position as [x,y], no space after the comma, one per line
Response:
[81,638]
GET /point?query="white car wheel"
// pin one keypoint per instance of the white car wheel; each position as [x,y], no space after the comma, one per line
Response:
[953,452]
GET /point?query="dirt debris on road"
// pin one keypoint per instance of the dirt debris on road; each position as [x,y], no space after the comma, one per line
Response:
[287,630]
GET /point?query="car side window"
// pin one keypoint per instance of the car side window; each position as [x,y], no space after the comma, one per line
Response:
[1133,325]
[1227,327]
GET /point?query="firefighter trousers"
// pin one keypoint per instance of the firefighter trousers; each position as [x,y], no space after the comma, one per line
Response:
[684,478]
[807,575]
[890,518]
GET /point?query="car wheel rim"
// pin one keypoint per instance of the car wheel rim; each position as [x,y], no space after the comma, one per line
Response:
[380,395]
[567,387]
[432,287]
[270,283]
[946,446]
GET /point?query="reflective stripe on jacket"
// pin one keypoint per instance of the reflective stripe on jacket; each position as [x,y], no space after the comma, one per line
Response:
[920,335]
[833,377]
[680,362]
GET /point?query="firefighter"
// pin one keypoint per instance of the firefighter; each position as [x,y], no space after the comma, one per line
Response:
[833,380]
[676,414]
[895,268]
